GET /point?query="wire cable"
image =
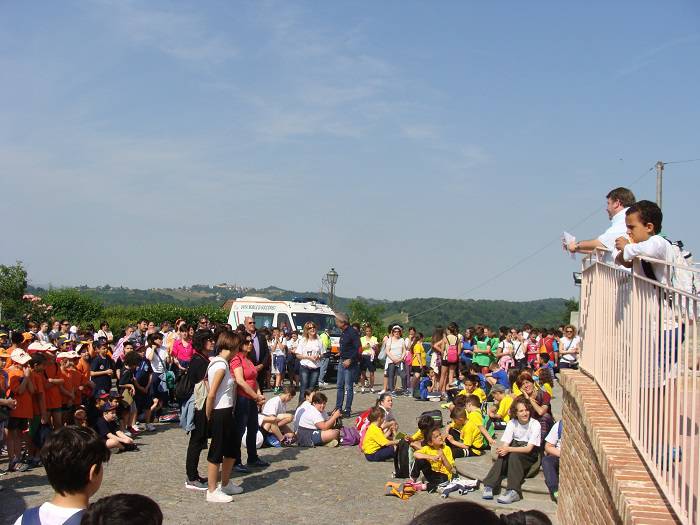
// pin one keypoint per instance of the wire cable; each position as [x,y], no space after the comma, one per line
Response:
[526,257]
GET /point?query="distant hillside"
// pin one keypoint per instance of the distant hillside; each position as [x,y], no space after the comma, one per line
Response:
[424,313]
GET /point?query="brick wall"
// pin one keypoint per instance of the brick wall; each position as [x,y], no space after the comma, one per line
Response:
[602,478]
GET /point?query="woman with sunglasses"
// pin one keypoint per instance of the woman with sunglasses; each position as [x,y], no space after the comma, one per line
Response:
[569,348]
[395,354]
[309,351]
[246,412]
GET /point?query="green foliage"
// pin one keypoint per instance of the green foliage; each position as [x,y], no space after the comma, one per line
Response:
[361,312]
[570,306]
[119,317]
[70,304]
[13,285]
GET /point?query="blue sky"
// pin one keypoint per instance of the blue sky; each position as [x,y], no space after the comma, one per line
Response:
[419,148]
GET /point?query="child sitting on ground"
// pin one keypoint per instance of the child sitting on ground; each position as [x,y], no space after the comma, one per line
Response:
[497,376]
[434,460]
[108,429]
[375,445]
[73,458]
[499,412]
[276,419]
[544,374]
[471,386]
[467,435]
[425,427]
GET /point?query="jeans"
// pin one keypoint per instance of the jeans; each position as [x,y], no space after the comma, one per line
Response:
[383,454]
[346,378]
[246,419]
[324,368]
[550,466]
[309,380]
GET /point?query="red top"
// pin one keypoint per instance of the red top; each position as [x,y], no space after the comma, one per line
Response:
[250,374]
[39,389]
[52,393]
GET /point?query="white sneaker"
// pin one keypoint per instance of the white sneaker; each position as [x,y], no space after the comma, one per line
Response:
[231,488]
[137,428]
[218,497]
[150,427]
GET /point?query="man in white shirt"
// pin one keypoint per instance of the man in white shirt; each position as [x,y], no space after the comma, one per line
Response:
[619,200]
[550,462]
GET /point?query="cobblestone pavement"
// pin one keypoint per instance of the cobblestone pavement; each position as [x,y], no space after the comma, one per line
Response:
[334,485]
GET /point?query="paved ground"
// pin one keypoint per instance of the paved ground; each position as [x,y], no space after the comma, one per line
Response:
[338,485]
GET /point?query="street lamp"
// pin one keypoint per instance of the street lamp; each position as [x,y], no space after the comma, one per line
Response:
[332,278]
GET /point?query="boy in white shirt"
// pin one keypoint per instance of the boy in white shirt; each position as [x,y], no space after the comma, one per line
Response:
[276,419]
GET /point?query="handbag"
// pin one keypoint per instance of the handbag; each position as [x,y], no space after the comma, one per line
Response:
[127,398]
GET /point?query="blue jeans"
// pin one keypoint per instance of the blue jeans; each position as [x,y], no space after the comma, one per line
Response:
[393,371]
[324,367]
[346,378]
[309,379]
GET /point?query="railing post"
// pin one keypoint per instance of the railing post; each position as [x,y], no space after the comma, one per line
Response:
[635,362]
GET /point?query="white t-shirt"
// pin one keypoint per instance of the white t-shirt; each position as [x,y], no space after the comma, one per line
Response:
[519,349]
[617,228]
[274,407]
[655,247]
[309,348]
[310,417]
[298,413]
[553,436]
[506,348]
[50,514]
[567,345]
[224,394]
[529,433]
[278,345]
[157,361]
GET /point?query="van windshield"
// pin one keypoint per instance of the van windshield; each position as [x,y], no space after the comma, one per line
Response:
[323,321]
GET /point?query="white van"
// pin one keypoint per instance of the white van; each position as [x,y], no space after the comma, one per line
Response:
[294,314]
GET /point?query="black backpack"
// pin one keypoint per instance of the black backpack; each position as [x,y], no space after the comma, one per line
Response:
[435,414]
[401,467]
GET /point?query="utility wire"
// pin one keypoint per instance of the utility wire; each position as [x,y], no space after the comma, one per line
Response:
[681,161]
[532,254]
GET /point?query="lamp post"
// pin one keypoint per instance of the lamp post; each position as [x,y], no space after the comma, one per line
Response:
[331,278]
[659,182]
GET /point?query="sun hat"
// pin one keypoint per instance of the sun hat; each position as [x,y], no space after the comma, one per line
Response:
[4,353]
[40,346]
[20,356]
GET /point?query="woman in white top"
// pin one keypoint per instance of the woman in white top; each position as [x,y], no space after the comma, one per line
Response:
[395,354]
[219,412]
[309,351]
[369,353]
[569,348]
[517,452]
[104,332]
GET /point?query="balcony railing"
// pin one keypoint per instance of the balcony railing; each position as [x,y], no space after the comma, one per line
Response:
[640,344]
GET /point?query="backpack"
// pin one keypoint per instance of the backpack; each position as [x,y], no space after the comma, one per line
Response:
[349,436]
[682,277]
[362,421]
[201,389]
[487,421]
[31,517]
[402,468]
[435,414]
[452,354]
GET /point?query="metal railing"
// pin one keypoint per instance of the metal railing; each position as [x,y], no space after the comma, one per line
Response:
[640,344]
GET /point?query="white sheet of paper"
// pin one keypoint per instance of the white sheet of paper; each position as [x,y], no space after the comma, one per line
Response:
[567,238]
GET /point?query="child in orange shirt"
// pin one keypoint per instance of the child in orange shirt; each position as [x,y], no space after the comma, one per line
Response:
[21,388]
[68,388]
[52,395]
[39,412]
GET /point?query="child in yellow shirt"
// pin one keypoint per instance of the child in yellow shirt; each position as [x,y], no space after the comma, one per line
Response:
[425,427]
[375,445]
[434,461]
[471,386]
[499,413]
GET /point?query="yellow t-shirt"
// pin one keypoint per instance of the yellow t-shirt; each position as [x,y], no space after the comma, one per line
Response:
[478,392]
[418,436]
[504,407]
[516,390]
[471,435]
[418,355]
[374,439]
[435,464]
[547,388]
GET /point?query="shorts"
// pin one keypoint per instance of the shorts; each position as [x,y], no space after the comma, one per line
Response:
[223,435]
[308,437]
[55,409]
[367,364]
[18,423]
[280,363]
[416,369]
[34,425]
[143,402]
[67,408]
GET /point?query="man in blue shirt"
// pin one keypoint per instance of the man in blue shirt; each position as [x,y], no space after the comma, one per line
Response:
[348,366]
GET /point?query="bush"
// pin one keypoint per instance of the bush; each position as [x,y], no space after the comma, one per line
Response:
[119,317]
[70,304]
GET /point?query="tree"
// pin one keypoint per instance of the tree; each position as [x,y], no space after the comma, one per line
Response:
[75,306]
[570,306]
[361,312]
[13,285]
